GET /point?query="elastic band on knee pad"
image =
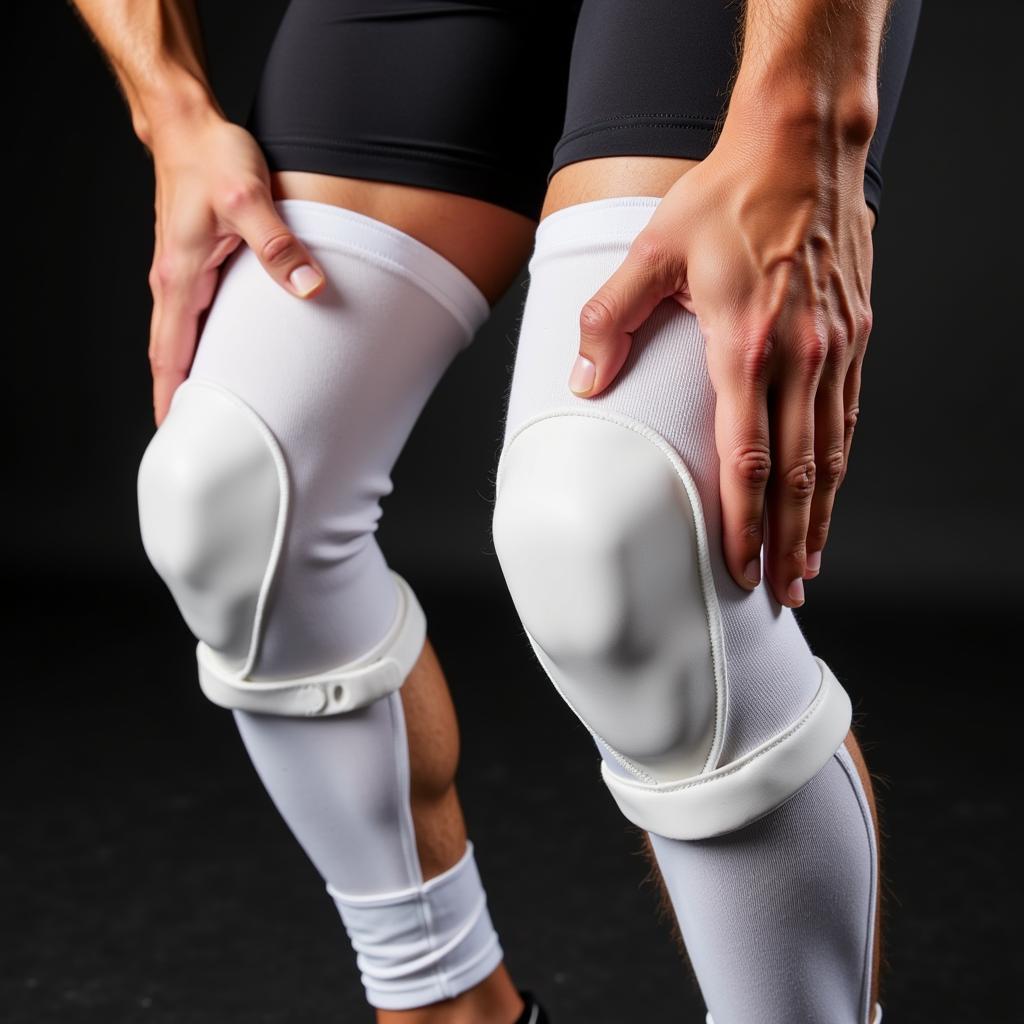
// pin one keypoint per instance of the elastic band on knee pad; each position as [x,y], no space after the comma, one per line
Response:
[735,794]
[600,533]
[381,671]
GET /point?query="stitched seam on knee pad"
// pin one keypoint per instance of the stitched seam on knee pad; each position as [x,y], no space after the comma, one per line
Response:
[842,755]
[284,503]
[716,634]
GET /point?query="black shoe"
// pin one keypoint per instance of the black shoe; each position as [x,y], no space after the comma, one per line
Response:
[533,1012]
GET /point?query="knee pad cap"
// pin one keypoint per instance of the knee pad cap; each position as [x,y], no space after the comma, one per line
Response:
[213,497]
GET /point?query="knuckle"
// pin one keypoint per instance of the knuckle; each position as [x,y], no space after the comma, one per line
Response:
[819,532]
[865,322]
[278,248]
[800,479]
[796,555]
[832,469]
[242,194]
[850,418]
[597,316]
[755,354]
[649,250]
[788,558]
[751,532]
[812,351]
[752,466]
[838,349]
[163,363]
[166,270]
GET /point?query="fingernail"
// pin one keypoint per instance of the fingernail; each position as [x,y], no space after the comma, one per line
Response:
[796,591]
[304,279]
[814,562]
[581,380]
[752,573]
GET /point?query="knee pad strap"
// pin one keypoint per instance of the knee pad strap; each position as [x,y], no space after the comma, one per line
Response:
[362,681]
[738,793]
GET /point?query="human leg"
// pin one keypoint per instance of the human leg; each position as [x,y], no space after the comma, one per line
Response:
[606,526]
[606,529]
[259,496]
[421,199]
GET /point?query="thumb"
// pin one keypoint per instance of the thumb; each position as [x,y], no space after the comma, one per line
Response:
[283,256]
[649,273]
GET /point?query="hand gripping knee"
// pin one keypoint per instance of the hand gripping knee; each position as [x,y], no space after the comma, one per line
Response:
[214,507]
[599,531]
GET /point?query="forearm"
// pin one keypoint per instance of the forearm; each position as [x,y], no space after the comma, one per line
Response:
[811,67]
[155,50]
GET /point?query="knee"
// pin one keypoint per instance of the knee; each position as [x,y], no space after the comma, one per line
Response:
[214,507]
[212,490]
[598,531]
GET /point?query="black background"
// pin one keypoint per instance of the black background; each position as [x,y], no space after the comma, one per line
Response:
[149,876]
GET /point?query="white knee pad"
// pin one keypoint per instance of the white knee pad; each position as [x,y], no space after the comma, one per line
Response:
[260,493]
[599,531]
[213,495]
[259,497]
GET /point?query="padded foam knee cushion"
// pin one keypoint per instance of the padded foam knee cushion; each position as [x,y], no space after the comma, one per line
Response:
[213,495]
[599,531]
[213,502]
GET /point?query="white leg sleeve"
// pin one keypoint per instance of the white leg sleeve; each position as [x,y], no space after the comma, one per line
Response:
[720,732]
[259,496]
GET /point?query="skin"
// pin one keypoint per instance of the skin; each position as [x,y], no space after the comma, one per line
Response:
[767,241]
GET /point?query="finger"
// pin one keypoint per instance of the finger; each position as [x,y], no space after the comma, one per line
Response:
[791,487]
[650,272]
[851,410]
[252,214]
[742,441]
[828,457]
[179,295]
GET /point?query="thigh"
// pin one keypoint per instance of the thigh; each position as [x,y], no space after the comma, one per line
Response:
[652,80]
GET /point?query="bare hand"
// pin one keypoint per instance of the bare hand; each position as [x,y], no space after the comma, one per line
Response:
[212,194]
[768,243]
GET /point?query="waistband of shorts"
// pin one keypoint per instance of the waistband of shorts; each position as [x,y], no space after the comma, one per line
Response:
[337,227]
[592,226]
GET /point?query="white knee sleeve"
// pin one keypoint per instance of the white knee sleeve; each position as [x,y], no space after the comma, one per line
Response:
[710,711]
[599,532]
[259,496]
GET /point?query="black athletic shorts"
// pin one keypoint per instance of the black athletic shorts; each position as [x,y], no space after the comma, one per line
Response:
[488,99]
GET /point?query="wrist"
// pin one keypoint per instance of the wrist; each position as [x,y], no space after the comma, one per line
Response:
[170,100]
[792,107]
